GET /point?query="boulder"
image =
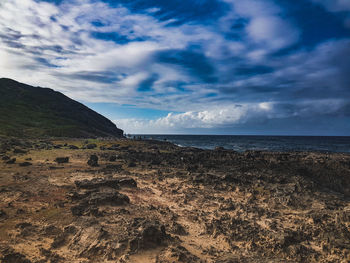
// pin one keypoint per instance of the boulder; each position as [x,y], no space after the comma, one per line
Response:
[108,198]
[93,161]
[25,164]
[127,182]
[3,214]
[132,164]
[73,147]
[11,161]
[114,147]
[113,158]
[151,235]
[62,160]
[91,146]
[20,151]
[80,209]
[113,167]
[5,158]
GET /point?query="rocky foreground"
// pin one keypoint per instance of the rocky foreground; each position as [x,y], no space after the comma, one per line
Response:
[146,201]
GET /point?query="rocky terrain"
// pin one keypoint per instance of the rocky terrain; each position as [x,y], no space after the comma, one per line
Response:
[147,201]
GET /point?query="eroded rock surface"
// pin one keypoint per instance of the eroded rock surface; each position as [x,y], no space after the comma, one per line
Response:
[150,201]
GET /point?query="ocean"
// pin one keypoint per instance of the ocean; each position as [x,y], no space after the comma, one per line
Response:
[266,143]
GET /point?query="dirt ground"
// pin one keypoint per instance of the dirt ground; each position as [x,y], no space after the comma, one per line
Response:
[146,201]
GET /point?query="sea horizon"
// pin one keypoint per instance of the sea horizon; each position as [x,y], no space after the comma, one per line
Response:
[241,143]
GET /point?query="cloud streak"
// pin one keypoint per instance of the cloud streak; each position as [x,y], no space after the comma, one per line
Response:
[244,54]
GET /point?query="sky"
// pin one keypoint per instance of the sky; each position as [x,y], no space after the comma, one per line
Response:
[189,67]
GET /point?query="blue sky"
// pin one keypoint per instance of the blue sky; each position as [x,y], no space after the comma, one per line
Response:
[203,67]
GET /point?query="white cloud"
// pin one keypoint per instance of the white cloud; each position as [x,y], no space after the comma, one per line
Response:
[214,117]
[273,31]
[61,36]
[254,8]
[267,28]
[230,116]
[134,80]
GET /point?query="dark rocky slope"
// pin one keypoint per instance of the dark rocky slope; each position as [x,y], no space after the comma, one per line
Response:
[27,111]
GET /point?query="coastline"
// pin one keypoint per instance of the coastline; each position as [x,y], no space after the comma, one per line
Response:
[242,143]
[151,201]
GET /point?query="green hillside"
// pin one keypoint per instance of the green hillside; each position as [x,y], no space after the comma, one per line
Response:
[27,111]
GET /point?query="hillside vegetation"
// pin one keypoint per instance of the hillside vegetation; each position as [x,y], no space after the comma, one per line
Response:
[27,111]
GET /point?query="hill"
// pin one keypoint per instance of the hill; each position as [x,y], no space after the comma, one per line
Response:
[27,111]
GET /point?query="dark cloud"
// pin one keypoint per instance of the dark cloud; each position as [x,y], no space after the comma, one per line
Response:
[97,77]
[316,23]
[13,44]
[253,70]
[10,34]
